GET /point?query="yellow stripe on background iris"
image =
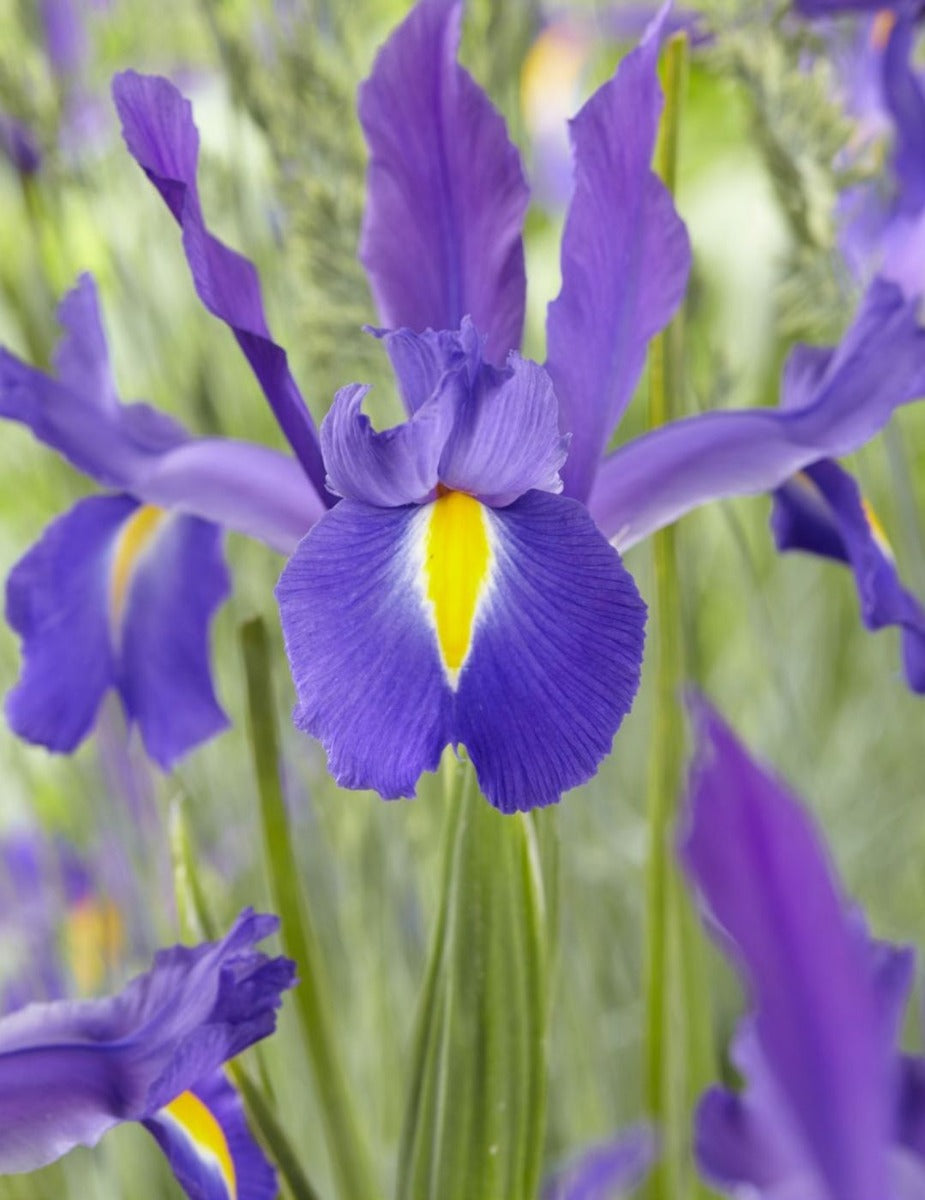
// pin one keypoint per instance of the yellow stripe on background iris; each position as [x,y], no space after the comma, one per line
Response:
[878,533]
[134,537]
[456,570]
[206,1134]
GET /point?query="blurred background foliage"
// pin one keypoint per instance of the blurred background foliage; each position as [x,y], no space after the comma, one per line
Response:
[775,641]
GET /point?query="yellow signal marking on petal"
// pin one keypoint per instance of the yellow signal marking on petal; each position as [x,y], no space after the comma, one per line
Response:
[881,28]
[457,564]
[876,529]
[134,536]
[206,1134]
[94,938]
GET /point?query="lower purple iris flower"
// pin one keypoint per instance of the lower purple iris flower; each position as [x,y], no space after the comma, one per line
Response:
[831,1109]
[71,1070]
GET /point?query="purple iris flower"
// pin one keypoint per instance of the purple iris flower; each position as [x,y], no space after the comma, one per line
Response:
[831,1110]
[70,1070]
[19,146]
[454,593]
[119,592]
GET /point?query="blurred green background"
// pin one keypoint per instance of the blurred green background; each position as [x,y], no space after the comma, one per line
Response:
[775,641]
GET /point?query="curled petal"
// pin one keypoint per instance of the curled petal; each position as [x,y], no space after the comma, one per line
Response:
[70,1070]
[823,512]
[625,261]
[655,479]
[820,1038]
[396,466]
[441,234]
[204,1134]
[157,124]
[408,628]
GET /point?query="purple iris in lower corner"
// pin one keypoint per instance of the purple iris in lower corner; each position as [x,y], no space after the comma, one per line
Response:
[831,1109]
[457,591]
[71,1070]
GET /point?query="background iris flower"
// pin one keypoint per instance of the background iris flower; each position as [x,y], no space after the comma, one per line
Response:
[442,242]
[71,1070]
[831,1110]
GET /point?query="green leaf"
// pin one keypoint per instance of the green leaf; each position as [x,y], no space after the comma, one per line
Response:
[475,1120]
[348,1150]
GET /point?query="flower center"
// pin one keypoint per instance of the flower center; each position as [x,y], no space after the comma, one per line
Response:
[457,566]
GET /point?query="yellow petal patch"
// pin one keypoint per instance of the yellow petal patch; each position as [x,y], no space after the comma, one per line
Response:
[206,1134]
[881,28]
[94,939]
[135,535]
[457,567]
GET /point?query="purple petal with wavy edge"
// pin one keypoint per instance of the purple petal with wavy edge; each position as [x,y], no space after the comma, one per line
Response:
[111,598]
[158,128]
[420,360]
[397,466]
[363,657]
[823,512]
[164,674]
[505,439]
[70,1070]
[57,600]
[563,619]
[819,1026]
[441,234]
[559,612]
[657,478]
[625,261]
[226,1165]
[607,1170]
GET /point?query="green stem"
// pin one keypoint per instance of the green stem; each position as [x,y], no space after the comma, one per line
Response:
[677,1046]
[350,1161]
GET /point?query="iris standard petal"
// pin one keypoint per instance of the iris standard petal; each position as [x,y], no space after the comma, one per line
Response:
[204,1134]
[57,600]
[607,1170]
[505,439]
[388,468]
[441,234]
[118,594]
[81,358]
[157,124]
[905,99]
[768,886]
[879,365]
[625,261]
[515,632]
[822,511]
[178,581]
[69,1070]
[420,360]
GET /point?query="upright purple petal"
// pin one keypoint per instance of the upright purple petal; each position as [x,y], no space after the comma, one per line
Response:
[441,234]
[157,124]
[70,1070]
[625,261]
[81,358]
[879,365]
[819,1028]
[65,35]
[905,99]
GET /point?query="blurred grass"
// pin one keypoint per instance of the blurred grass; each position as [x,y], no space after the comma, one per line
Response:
[777,640]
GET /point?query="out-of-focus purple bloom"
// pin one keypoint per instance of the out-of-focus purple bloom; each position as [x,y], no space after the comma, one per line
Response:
[70,1070]
[830,1111]
[438,600]
[120,591]
[65,35]
[822,511]
[19,146]
[605,1171]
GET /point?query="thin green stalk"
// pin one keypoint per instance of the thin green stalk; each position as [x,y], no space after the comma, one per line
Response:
[196,923]
[350,1162]
[677,1047]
